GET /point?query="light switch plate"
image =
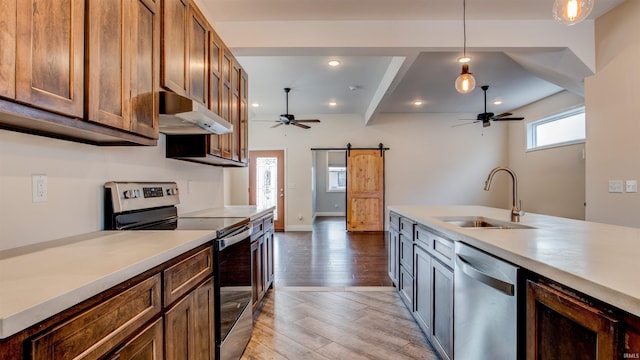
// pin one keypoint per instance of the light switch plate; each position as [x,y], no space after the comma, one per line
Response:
[615,186]
[631,186]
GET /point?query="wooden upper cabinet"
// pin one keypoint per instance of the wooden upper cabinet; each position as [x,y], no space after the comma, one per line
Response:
[50,55]
[226,141]
[215,87]
[244,116]
[198,56]
[8,41]
[145,66]
[123,64]
[107,66]
[175,47]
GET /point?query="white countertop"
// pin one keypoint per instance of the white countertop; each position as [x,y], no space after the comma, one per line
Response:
[597,259]
[247,211]
[38,282]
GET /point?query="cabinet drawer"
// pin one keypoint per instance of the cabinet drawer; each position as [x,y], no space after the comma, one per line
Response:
[406,227]
[268,223]
[180,278]
[394,220]
[95,332]
[257,229]
[439,247]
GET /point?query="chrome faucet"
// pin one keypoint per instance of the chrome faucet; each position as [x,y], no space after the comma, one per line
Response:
[516,212]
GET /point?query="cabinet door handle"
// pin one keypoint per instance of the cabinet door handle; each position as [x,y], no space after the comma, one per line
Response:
[483,277]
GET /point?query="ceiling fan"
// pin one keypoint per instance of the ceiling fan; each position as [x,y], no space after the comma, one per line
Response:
[289,119]
[486,117]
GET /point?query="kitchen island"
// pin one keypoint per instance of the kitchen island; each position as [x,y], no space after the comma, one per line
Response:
[599,260]
[577,291]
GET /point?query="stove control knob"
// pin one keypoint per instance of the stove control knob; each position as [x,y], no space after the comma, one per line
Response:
[173,191]
[132,194]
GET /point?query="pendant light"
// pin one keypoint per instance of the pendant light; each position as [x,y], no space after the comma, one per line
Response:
[571,12]
[465,82]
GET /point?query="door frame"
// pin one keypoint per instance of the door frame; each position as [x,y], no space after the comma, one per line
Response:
[280,224]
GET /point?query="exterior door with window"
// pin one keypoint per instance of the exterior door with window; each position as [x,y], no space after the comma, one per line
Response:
[266,183]
[365,190]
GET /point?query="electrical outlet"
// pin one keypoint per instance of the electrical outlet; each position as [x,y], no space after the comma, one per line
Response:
[632,186]
[615,186]
[39,188]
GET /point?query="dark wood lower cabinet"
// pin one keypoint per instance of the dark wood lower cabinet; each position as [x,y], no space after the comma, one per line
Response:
[261,258]
[145,346]
[189,326]
[561,327]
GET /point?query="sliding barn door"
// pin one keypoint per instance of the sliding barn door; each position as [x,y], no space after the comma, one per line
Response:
[365,190]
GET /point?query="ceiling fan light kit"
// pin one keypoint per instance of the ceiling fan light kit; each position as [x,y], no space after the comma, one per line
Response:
[289,119]
[465,82]
[569,12]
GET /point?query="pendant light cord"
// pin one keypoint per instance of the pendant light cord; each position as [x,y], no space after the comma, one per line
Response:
[464,28]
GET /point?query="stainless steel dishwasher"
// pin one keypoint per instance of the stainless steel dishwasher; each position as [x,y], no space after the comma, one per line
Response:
[485,306]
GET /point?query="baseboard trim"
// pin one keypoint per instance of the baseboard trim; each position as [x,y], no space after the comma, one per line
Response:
[338,213]
[298,228]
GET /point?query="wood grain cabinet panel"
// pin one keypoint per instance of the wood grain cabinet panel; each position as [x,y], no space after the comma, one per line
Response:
[189,326]
[123,64]
[145,66]
[175,47]
[8,41]
[148,345]
[562,327]
[198,56]
[50,55]
[180,278]
[96,332]
[107,66]
[244,117]
[215,87]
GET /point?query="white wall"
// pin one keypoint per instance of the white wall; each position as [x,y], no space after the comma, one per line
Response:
[613,120]
[550,181]
[429,162]
[330,203]
[76,173]
[236,186]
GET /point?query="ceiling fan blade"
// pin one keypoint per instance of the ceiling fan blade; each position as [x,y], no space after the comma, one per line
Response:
[302,126]
[276,125]
[508,119]
[309,121]
[469,123]
[502,115]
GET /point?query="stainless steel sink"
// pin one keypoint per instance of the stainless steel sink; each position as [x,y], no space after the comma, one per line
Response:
[479,222]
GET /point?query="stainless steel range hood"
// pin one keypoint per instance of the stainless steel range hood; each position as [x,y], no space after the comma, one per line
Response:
[181,116]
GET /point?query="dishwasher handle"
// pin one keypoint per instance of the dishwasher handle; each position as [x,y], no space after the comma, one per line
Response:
[474,273]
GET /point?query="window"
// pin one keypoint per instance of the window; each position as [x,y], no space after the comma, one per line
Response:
[336,171]
[561,129]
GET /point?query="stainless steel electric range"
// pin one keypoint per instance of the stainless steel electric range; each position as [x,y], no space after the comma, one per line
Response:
[152,206]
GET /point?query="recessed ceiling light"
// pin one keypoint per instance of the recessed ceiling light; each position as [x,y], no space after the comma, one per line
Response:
[334,63]
[417,103]
[255,105]
[333,103]
[464,59]
[497,102]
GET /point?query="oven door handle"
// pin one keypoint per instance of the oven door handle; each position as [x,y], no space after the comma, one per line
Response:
[235,237]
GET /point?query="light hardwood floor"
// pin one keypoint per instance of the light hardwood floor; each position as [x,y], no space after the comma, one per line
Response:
[336,325]
[332,299]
